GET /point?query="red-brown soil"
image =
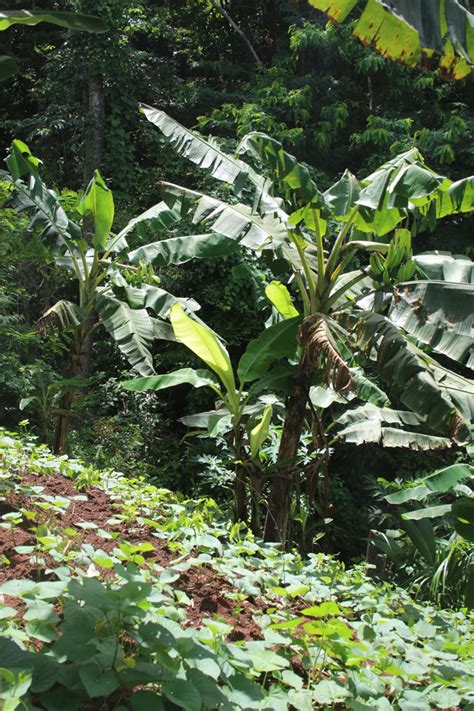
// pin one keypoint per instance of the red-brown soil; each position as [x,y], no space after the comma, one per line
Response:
[206,590]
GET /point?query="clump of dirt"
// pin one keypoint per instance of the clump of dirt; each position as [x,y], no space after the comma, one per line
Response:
[208,594]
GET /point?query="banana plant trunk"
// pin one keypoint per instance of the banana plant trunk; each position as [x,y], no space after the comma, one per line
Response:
[241,476]
[62,425]
[240,493]
[80,360]
[276,523]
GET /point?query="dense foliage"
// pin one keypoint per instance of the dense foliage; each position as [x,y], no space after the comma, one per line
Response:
[243,323]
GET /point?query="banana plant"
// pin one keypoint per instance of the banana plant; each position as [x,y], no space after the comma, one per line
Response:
[70,20]
[244,411]
[351,316]
[103,266]
[443,497]
[413,33]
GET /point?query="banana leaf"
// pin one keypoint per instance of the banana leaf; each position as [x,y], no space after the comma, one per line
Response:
[415,33]
[203,153]
[132,330]
[410,375]
[439,315]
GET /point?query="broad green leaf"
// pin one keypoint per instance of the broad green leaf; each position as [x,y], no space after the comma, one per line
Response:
[422,536]
[328,692]
[33,197]
[367,390]
[412,33]
[205,154]
[183,694]
[98,682]
[369,412]
[288,170]
[11,654]
[413,182]
[162,330]
[157,217]
[30,589]
[459,388]
[99,202]
[341,196]
[280,297]
[324,397]
[463,510]
[278,380]
[412,493]
[210,420]
[196,378]
[204,681]
[375,187]
[205,345]
[259,657]
[445,479]
[274,343]
[132,330]
[428,512]
[394,437]
[323,610]
[259,433]
[409,372]
[445,698]
[444,266]
[153,297]
[179,250]
[367,424]
[70,20]
[236,221]
[404,185]
[439,315]
[457,198]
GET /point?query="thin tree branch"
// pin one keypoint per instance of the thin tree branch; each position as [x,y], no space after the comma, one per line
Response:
[238,29]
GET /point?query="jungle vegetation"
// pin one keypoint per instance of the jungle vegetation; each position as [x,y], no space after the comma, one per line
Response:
[236,306]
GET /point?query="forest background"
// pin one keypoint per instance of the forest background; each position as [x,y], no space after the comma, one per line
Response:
[329,100]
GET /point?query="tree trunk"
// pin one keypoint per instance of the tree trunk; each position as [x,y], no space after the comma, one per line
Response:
[81,357]
[94,125]
[256,498]
[240,493]
[62,425]
[276,523]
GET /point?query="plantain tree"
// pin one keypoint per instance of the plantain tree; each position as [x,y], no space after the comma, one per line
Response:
[245,405]
[423,33]
[377,314]
[114,292]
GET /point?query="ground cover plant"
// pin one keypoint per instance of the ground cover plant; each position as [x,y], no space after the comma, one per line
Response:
[132,597]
